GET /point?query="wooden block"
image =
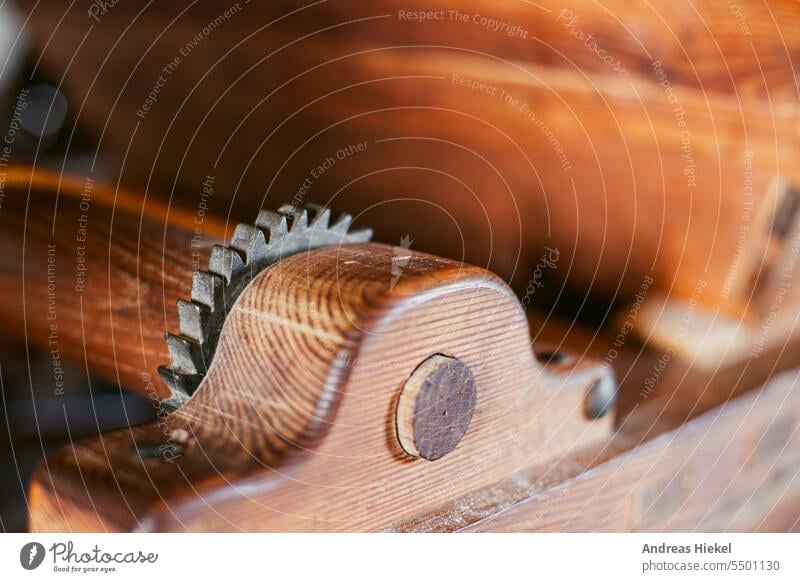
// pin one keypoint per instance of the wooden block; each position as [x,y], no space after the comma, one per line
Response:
[294,426]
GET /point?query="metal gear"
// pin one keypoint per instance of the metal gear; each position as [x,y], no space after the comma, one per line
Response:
[253,248]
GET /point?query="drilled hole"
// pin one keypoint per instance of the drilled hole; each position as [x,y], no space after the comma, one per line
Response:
[552,357]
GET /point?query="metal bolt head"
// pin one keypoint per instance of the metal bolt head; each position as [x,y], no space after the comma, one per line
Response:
[602,395]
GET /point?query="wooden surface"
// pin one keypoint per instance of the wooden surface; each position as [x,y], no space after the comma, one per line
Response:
[294,428]
[599,173]
[664,384]
[728,470]
[477,145]
[92,274]
[316,337]
[731,469]
[745,436]
[703,44]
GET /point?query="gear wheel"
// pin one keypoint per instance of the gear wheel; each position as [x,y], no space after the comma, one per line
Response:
[252,249]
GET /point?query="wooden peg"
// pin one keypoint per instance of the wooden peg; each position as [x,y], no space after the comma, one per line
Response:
[435,407]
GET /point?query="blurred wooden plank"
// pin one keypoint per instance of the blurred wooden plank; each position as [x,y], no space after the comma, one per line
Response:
[267,96]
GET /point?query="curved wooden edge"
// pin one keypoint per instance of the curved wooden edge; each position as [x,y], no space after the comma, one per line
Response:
[293,427]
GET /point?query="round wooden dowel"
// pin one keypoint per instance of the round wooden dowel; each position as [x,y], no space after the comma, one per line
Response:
[435,407]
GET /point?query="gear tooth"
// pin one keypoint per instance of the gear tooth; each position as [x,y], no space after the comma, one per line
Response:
[192,319]
[297,218]
[174,401]
[180,348]
[206,289]
[274,223]
[359,236]
[225,262]
[288,232]
[321,217]
[299,221]
[248,240]
[177,384]
[342,223]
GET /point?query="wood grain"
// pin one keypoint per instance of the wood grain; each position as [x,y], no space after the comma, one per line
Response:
[293,427]
[211,487]
[628,203]
[275,94]
[729,469]
[716,473]
[92,274]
